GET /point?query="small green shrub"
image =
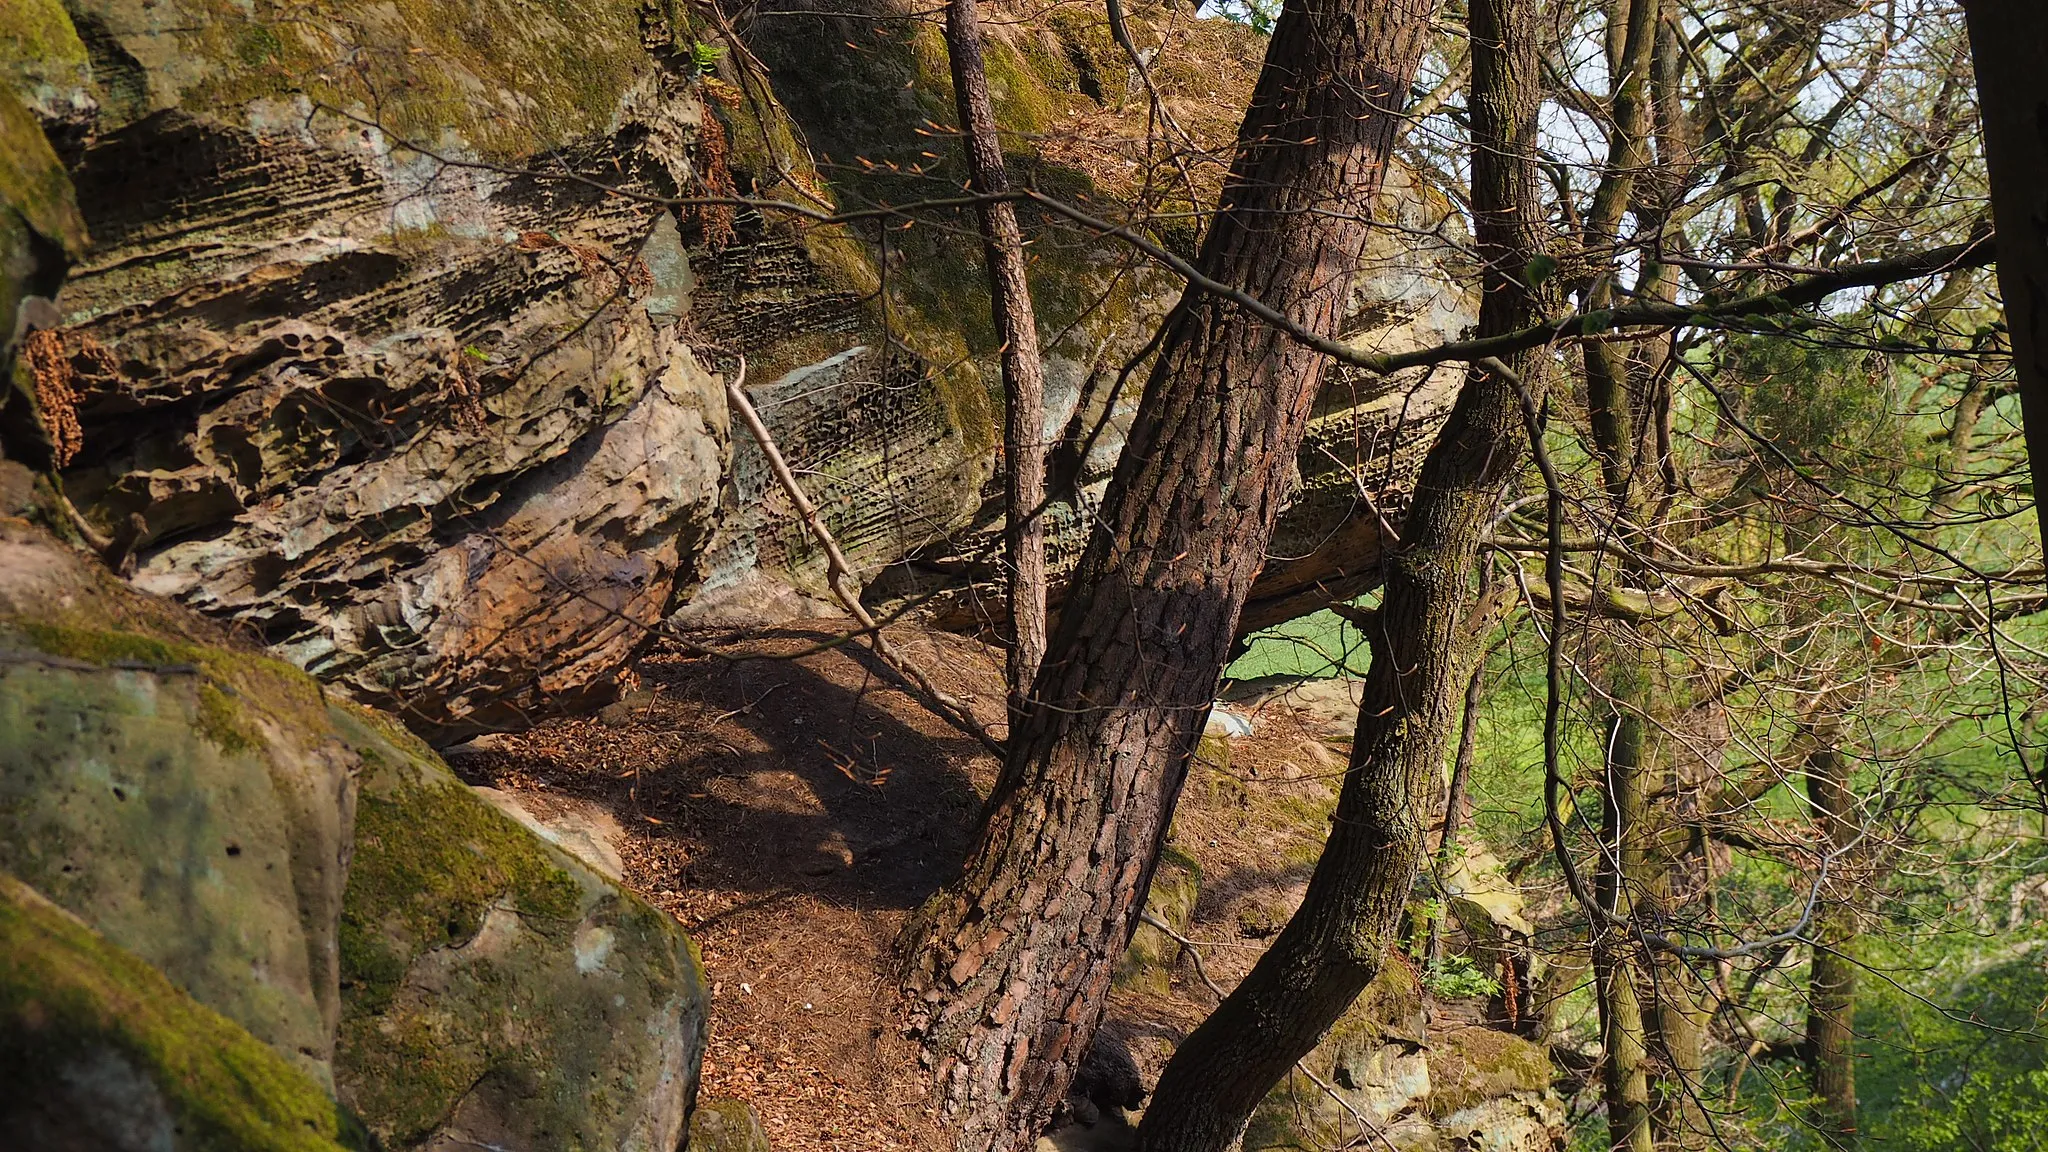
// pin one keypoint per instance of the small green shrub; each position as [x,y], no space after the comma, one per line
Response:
[1457,978]
[704,58]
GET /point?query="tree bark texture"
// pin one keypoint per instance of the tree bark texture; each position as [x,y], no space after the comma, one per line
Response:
[1624,1052]
[1682,1003]
[1337,941]
[2006,39]
[1009,965]
[1016,323]
[1831,991]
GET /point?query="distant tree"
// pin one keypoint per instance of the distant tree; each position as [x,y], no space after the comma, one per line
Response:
[1016,321]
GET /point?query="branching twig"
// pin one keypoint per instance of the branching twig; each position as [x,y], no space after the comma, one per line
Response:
[838,573]
[1194,953]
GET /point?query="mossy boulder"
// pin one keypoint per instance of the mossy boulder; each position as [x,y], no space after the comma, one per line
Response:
[496,991]
[43,61]
[311,870]
[1372,1061]
[508,79]
[33,184]
[186,798]
[725,1126]
[1491,1092]
[1147,965]
[1471,1065]
[99,1050]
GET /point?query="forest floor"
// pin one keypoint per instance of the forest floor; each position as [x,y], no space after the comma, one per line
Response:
[790,806]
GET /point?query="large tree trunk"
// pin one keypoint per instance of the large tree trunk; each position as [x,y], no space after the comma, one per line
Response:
[1337,941]
[1023,373]
[2006,38]
[1831,993]
[1010,964]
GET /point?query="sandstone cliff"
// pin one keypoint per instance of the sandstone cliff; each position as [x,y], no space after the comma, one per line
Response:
[393,343]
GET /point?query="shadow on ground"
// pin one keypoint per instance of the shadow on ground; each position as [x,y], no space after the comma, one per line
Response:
[792,764]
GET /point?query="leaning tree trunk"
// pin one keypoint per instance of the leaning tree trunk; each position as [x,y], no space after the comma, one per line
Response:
[1831,991]
[1010,964]
[1335,944]
[2005,44]
[1023,373]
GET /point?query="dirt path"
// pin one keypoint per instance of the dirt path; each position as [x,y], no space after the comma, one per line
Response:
[789,807]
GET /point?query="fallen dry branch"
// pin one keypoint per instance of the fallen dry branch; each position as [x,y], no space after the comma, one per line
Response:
[838,574]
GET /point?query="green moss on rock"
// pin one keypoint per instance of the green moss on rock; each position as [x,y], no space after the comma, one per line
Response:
[1470,1065]
[491,982]
[430,861]
[495,73]
[726,1126]
[184,798]
[41,232]
[98,1046]
[1373,1058]
[33,185]
[1147,964]
[223,675]
[41,57]
[1390,1007]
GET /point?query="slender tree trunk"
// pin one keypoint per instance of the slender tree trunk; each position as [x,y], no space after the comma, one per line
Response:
[1831,994]
[1682,1016]
[1647,1006]
[1624,1051]
[1337,941]
[2005,43]
[1454,798]
[1461,765]
[1617,970]
[1023,372]
[1631,36]
[1009,965]
[1652,1016]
